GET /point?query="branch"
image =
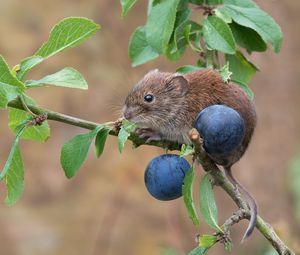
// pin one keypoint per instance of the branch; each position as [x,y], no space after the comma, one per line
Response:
[208,165]
[235,218]
[51,115]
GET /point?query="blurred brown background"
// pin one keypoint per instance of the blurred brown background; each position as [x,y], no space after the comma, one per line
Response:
[106,209]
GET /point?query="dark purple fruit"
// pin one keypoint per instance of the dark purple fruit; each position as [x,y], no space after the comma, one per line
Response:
[164,176]
[222,129]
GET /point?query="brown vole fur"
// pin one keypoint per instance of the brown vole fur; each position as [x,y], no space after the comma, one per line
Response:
[177,100]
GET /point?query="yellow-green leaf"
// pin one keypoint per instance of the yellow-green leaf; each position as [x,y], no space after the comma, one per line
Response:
[207,241]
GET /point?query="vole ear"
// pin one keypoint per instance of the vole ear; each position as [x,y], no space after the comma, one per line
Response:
[177,83]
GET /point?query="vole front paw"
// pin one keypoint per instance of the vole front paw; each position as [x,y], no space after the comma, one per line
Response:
[148,134]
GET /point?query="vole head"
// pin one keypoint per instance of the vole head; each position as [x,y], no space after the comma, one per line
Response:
[156,100]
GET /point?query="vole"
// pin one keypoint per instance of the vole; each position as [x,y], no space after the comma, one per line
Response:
[165,105]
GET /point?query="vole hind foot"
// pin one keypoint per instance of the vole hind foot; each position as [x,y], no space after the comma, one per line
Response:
[148,134]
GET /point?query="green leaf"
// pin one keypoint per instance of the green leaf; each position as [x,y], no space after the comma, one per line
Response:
[201,63]
[207,241]
[214,2]
[186,150]
[139,50]
[15,178]
[187,191]
[10,86]
[207,204]
[241,3]
[197,2]
[27,64]
[218,35]
[174,55]
[149,6]
[160,24]
[198,251]
[67,34]
[122,138]
[124,133]
[246,88]
[187,34]
[222,14]
[15,69]
[178,39]
[294,183]
[183,5]
[208,2]
[258,20]
[6,77]
[247,38]
[188,69]
[13,171]
[35,133]
[67,77]
[101,139]
[74,152]
[242,69]
[225,73]
[126,6]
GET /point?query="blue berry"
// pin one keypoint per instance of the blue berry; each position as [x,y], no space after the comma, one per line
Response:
[222,129]
[164,176]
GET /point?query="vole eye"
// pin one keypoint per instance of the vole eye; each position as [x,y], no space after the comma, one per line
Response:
[148,98]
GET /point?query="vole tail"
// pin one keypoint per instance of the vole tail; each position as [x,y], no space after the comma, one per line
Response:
[251,202]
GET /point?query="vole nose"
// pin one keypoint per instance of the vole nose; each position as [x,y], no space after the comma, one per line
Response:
[127,113]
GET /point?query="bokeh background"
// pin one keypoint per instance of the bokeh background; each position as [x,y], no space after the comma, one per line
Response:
[105,209]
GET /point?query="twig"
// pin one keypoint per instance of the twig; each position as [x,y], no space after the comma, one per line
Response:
[207,10]
[235,218]
[25,105]
[51,115]
[208,165]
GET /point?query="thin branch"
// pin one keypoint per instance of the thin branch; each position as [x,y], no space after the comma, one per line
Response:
[208,165]
[235,218]
[51,115]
